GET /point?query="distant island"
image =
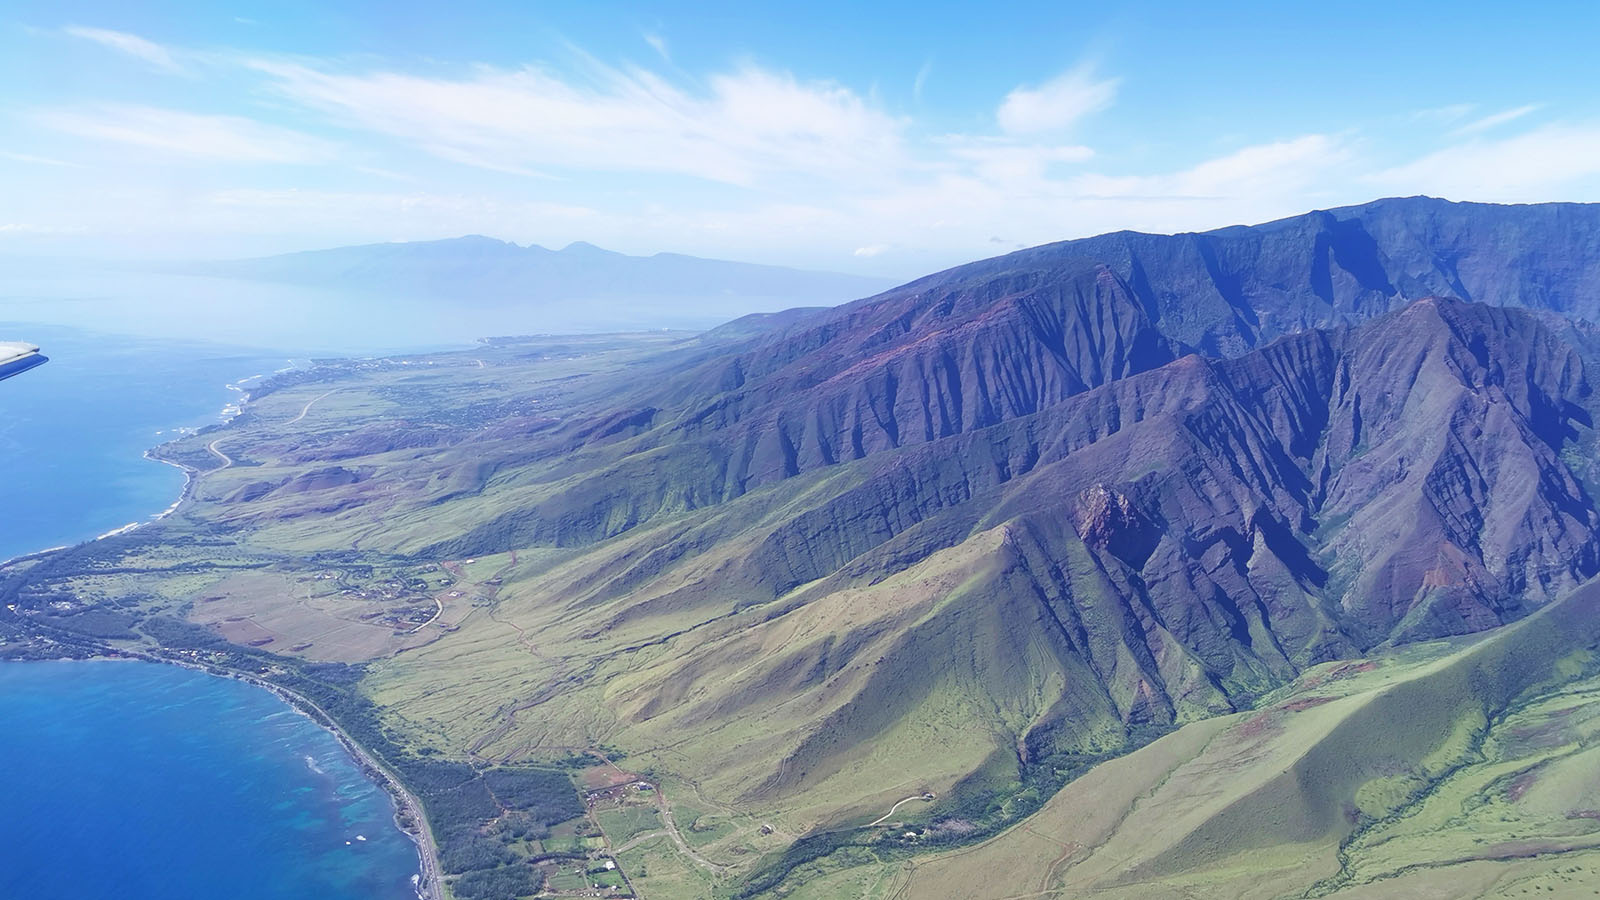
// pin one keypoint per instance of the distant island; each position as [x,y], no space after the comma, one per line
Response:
[578,286]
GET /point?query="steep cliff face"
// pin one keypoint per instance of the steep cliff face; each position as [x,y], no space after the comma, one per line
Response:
[921,365]
[1196,534]
[1027,504]
[1005,337]
[1459,512]
[1159,548]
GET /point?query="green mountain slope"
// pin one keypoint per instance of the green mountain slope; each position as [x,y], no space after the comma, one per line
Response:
[968,538]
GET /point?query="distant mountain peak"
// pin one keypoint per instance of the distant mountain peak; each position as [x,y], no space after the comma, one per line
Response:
[584,247]
[581,287]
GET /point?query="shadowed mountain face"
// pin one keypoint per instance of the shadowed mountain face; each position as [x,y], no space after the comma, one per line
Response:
[1006,337]
[1225,291]
[1015,509]
[1162,510]
[1183,537]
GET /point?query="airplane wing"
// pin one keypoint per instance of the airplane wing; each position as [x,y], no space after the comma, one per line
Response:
[17,357]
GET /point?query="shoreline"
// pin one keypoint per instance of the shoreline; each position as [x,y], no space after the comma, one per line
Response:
[230,411]
[429,881]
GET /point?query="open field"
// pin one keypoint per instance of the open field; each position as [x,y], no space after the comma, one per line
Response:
[660,872]
[623,824]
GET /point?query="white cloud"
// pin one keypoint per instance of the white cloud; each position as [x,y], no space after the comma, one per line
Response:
[31,159]
[1455,112]
[131,44]
[747,124]
[29,228]
[825,175]
[1536,165]
[1057,104]
[960,211]
[355,203]
[658,44]
[921,81]
[1486,123]
[1283,167]
[1004,160]
[220,138]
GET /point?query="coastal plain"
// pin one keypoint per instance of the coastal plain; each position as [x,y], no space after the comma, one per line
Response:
[1256,563]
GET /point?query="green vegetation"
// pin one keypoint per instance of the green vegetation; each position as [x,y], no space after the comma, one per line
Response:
[505,883]
[659,872]
[622,824]
[494,593]
[1446,765]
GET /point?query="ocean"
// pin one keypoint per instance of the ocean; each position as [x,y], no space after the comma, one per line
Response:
[139,780]
[142,780]
[74,430]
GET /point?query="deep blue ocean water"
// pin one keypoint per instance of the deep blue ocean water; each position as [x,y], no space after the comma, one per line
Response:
[140,780]
[73,431]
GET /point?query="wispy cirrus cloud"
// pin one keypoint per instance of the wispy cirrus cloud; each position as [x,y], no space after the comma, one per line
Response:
[1495,120]
[1056,105]
[219,138]
[1271,169]
[1002,159]
[1535,164]
[658,44]
[749,123]
[130,44]
[36,160]
[747,159]
[32,228]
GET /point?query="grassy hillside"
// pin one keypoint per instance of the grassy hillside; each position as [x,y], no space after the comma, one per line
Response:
[549,546]
[1435,771]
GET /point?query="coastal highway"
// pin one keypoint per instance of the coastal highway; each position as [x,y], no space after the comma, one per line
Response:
[226,459]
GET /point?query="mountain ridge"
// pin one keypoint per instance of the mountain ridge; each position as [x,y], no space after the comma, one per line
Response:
[1031,512]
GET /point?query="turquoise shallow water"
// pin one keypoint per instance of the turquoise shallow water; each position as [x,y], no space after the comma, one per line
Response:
[139,780]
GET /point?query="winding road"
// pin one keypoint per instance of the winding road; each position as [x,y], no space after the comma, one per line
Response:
[307,407]
[226,459]
[927,797]
[436,614]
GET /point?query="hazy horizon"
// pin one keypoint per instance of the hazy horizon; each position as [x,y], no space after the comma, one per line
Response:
[875,142]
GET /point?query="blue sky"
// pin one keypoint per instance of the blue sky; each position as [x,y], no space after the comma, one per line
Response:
[879,138]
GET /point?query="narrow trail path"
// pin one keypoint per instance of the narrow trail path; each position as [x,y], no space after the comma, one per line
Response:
[307,407]
[677,837]
[639,839]
[927,797]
